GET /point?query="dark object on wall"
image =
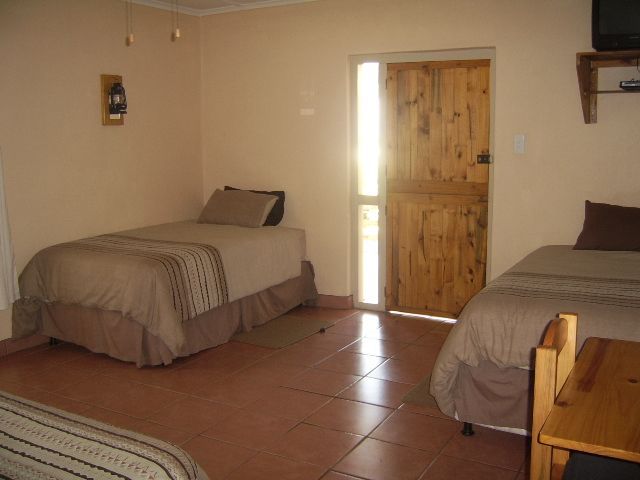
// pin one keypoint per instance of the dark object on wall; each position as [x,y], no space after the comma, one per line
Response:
[615,24]
[277,212]
[113,99]
[117,99]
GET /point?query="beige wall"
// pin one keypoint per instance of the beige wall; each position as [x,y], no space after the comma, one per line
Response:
[257,63]
[67,176]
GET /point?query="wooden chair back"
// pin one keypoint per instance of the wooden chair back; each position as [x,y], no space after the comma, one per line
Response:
[554,360]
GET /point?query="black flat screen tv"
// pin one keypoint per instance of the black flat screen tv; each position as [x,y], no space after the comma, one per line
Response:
[615,24]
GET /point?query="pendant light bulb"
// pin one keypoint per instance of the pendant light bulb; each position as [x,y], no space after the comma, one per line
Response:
[129,39]
[175,20]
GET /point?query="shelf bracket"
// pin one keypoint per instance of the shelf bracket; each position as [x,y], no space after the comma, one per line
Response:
[587,65]
[588,82]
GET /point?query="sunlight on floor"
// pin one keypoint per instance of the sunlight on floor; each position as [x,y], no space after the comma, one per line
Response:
[426,317]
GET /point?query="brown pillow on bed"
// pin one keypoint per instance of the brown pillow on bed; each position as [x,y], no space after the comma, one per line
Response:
[609,227]
[277,212]
[237,207]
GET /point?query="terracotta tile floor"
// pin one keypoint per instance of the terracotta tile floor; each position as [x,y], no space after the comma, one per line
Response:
[327,407]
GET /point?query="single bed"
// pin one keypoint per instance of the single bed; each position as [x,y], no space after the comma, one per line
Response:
[41,442]
[483,372]
[153,294]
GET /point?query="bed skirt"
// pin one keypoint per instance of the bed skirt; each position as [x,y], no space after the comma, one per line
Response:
[489,395]
[103,331]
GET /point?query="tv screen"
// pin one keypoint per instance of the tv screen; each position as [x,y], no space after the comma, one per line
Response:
[615,24]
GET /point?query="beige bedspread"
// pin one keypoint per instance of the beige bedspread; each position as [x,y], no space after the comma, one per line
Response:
[162,275]
[505,321]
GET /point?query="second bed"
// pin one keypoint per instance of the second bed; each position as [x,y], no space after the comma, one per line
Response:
[484,370]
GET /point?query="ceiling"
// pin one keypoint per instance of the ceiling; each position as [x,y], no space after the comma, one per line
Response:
[210,7]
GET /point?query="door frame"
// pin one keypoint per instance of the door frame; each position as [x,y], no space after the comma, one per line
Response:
[355,200]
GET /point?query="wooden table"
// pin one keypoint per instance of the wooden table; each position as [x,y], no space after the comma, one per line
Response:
[598,409]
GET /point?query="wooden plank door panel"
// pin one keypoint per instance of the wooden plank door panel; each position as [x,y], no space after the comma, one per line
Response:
[440,258]
[437,124]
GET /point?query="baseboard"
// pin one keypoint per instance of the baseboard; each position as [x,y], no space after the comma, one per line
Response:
[10,345]
[332,301]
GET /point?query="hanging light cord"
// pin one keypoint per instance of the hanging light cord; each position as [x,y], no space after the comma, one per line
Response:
[175,20]
[129,39]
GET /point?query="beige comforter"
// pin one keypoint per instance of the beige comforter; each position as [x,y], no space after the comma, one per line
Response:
[163,275]
[505,321]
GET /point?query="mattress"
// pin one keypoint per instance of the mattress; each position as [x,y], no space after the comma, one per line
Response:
[500,327]
[41,442]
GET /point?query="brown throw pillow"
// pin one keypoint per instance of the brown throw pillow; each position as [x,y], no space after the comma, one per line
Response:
[609,227]
[237,207]
[277,212]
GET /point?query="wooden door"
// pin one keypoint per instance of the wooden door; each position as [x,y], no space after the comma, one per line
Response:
[437,125]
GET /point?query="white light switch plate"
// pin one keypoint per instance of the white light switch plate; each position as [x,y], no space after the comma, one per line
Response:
[519,143]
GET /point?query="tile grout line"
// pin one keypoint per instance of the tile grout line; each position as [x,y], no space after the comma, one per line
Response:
[298,422]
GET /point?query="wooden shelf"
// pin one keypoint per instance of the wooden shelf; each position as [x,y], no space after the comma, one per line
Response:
[587,64]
